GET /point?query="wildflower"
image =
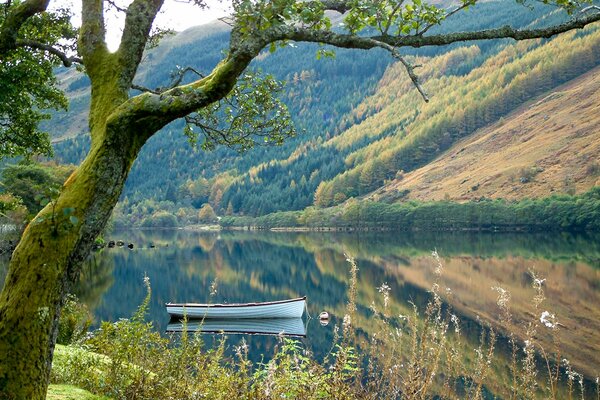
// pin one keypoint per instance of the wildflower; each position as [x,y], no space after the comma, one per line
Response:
[385,290]
[439,268]
[213,288]
[549,320]
[503,296]
[538,282]
[455,322]
[347,321]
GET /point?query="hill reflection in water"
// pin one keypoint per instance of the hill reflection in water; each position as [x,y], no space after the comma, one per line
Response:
[264,266]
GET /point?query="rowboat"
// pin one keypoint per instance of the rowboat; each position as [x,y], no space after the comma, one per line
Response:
[292,308]
[251,326]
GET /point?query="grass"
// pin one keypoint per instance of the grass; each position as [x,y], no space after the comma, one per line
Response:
[69,392]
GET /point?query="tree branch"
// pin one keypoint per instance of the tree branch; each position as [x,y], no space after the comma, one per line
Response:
[158,110]
[92,33]
[66,60]
[361,42]
[138,22]
[9,29]
[410,69]
[144,89]
[487,34]
[340,6]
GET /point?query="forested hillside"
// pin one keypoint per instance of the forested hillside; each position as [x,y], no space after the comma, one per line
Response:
[360,121]
[411,135]
[550,145]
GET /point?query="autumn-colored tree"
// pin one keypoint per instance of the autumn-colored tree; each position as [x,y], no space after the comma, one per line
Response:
[207,215]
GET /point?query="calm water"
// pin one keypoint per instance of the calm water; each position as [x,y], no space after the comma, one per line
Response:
[261,266]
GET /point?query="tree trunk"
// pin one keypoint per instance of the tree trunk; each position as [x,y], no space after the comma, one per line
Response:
[50,253]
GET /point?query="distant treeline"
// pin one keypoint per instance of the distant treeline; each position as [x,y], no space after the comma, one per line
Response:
[555,213]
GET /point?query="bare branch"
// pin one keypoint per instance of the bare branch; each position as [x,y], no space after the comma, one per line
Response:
[589,8]
[144,89]
[180,74]
[410,69]
[115,6]
[340,6]
[392,16]
[178,78]
[66,60]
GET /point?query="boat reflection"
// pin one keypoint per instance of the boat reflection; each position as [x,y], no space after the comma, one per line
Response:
[257,326]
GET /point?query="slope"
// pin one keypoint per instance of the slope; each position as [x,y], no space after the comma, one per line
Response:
[409,136]
[550,145]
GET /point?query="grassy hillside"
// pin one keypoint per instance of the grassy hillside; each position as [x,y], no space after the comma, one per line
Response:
[549,145]
[411,136]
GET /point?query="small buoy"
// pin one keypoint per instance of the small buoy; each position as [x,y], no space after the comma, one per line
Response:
[120,243]
[130,245]
[324,318]
[111,243]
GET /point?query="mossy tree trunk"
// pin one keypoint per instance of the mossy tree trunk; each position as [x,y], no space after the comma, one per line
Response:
[51,250]
[48,258]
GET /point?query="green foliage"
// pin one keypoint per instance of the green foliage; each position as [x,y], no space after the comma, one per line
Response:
[207,215]
[75,320]
[35,184]
[250,115]
[28,85]
[12,208]
[555,213]
[160,219]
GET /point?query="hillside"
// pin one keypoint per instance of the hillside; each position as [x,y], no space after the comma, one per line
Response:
[355,133]
[550,145]
[409,136]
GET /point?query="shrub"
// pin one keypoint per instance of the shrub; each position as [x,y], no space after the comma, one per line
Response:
[74,322]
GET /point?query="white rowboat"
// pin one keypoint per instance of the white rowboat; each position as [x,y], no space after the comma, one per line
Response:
[254,326]
[292,308]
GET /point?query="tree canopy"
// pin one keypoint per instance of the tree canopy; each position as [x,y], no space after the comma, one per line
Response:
[27,82]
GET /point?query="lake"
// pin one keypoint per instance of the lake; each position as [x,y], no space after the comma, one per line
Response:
[263,266]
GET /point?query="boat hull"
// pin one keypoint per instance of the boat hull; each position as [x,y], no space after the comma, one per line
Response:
[293,308]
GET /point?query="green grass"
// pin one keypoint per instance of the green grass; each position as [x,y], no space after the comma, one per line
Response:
[68,392]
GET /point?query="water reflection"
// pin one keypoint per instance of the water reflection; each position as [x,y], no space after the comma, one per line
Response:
[265,266]
[294,327]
